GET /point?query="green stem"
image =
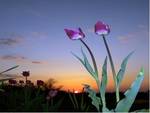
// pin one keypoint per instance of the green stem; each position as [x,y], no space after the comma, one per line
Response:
[102,99]
[71,98]
[96,70]
[92,56]
[51,101]
[47,106]
[112,67]
[26,79]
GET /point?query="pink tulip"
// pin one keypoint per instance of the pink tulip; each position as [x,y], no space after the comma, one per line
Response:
[74,34]
[101,28]
[51,94]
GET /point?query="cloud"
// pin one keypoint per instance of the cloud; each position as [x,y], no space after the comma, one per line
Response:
[141,26]
[127,37]
[12,57]
[10,39]
[140,33]
[21,59]
[37,62]
[39,34]
[34,12]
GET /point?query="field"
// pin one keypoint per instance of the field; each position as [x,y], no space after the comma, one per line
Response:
[33,98]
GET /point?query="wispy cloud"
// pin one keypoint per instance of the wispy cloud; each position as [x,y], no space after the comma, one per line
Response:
[21,59]
[33,12]
[38,62]
[140,33]
[39,34]
[141,26]
[127,37]
[12,57]
[10,39]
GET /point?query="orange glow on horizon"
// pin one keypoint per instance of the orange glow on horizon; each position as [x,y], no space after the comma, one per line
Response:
[75,81]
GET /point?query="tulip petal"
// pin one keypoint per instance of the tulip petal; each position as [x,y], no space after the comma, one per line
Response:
[102,28]
[74,34]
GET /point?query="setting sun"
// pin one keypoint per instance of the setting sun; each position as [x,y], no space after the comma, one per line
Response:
[76,91]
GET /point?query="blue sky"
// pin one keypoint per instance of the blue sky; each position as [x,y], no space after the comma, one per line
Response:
[32,36]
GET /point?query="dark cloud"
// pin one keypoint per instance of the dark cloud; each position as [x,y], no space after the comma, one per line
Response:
[20,58]
[37,62]
[10,39]
[12,57]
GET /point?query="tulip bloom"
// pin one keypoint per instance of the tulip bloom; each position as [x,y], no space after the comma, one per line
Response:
[52,93]
[74,34]
[11,81]
[26,74]
[101,28]
[21,81]
[28,81]
[79,35]
[40,83]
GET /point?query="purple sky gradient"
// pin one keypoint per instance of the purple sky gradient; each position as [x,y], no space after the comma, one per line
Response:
[32,36]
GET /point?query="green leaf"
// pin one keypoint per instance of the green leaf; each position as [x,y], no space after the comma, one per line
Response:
[104,109]
[75,100]
[103,85]
[125,104]
[86,64]
[56,106]
[96,101]
[143,110]
[9,69]
[78,58]
[1,90]
[104,79]
[122,70]
[72,100]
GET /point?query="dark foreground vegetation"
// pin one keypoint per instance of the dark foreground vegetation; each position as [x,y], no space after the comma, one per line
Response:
[33,98]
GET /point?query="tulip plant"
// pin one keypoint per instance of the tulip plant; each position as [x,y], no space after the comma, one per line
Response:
[99,102]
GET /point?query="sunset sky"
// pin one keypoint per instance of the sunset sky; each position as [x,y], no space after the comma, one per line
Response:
[32,36]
